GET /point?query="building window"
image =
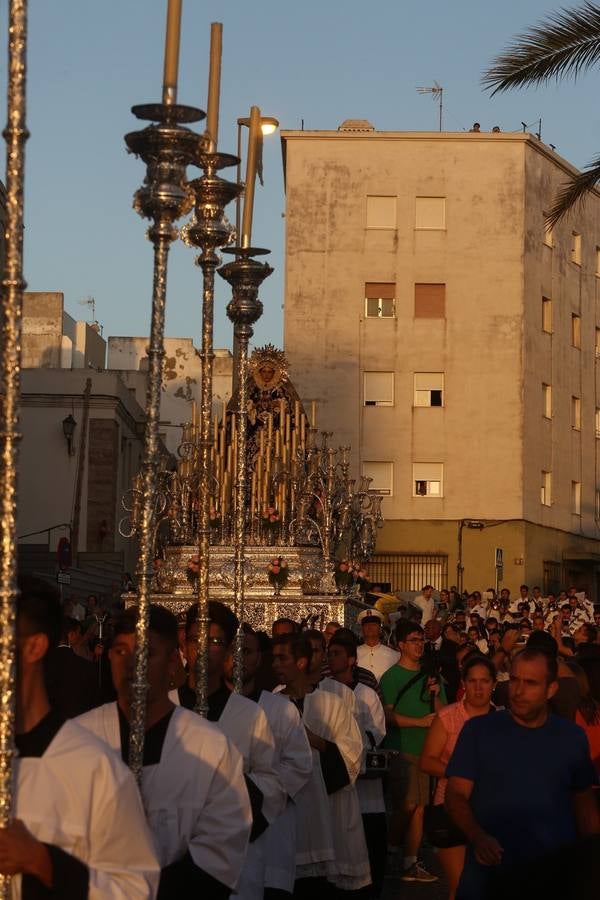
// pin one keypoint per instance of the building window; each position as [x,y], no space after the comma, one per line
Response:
[381,212]
[380,300]
[597,422]
[547,401]
[379,388]
[430,301]
[428,480]
[575,330]
[548,233]
[547,315]
[576,247]
[430,213]
[546,494]
[381,475]
[429,388]
[576,413]
[576,498]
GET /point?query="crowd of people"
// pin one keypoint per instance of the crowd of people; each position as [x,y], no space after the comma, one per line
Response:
[342,752]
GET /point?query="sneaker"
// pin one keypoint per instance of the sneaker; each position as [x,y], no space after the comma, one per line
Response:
[418,872]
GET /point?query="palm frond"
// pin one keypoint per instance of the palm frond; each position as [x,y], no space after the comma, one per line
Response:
[563,45]
[573,193]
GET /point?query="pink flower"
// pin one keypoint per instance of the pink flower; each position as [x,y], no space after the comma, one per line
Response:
[283,564]
[275,570]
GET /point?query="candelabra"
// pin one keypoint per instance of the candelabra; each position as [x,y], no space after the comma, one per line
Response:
[16,135]
[167,148]
[329,509]
[245,275]
[208,230]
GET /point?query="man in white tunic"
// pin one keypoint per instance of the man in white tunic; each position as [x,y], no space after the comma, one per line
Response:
[245,724]
[294,763]
[334,735]
[371,719]
[372,654]
[79,830]
[192,779]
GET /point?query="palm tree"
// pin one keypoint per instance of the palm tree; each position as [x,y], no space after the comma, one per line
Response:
[566,44]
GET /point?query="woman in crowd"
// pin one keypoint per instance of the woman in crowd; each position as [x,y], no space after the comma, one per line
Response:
[478,678]
[588,715]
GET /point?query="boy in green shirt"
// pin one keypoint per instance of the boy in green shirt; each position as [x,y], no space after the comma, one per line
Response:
[408,697]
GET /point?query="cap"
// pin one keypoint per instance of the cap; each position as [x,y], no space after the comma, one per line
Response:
[370,615]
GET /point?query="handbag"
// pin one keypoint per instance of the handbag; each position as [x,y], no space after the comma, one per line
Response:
[377,760]
[438,826]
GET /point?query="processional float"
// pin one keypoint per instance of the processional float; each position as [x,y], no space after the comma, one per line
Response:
[202,527]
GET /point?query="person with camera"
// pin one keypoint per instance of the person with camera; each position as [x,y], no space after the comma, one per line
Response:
[411,697]
[479,679]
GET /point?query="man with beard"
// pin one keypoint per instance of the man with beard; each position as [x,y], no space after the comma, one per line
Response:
[192,781]
[518,828]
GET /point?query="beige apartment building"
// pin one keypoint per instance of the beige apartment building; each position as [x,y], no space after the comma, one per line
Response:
[453,342]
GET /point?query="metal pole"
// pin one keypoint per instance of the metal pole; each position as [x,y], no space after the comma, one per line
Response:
[13,285]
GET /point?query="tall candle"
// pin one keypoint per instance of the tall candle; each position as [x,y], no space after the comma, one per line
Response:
[214,85]
[251,166]
[313,413]
[194,413]
[172,51]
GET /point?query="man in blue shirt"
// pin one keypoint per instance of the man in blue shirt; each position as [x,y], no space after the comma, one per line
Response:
[510,821]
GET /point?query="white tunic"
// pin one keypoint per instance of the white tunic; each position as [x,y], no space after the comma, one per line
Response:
[195,797]
[371,717]
[245,724]
[333,719]
[378,658]
[293,761]
[84,800]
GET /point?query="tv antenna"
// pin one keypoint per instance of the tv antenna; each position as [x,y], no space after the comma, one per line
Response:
[437,94]
[91,304]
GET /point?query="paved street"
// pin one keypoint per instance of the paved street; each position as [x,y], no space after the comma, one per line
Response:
[395,889]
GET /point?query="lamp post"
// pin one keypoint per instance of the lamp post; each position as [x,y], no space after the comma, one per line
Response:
[268,125]
[68,426]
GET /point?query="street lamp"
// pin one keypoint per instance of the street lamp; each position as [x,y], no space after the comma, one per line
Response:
[268,125]
[68,426]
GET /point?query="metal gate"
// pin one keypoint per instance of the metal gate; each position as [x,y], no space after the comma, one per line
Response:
[409,571]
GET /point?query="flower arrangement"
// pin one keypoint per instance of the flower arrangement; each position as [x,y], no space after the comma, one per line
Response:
[193,568]
[343,574]
[348,573]
[270,518]
[278,572]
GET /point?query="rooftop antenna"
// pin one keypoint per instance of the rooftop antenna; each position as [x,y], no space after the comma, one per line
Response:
[437,93]
[91,303]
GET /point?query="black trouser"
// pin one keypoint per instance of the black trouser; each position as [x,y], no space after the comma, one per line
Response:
[312,888]
[375,827]
[276,894]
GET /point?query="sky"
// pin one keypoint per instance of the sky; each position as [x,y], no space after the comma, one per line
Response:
[312,62]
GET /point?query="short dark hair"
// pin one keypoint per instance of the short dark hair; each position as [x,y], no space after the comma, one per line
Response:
[218,613]
[478,659]
[404,628]
[526,586]
[298,644]
[160,620]
[530,654]
[285,621]
[67,625]
[313,634]
[38,608]
[347,643]
[543,642]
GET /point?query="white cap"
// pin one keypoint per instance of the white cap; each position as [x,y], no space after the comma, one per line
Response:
[370,614]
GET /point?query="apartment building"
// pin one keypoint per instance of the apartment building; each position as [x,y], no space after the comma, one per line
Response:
[453,341]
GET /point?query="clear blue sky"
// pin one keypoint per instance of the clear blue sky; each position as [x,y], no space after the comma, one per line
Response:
[323,62]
